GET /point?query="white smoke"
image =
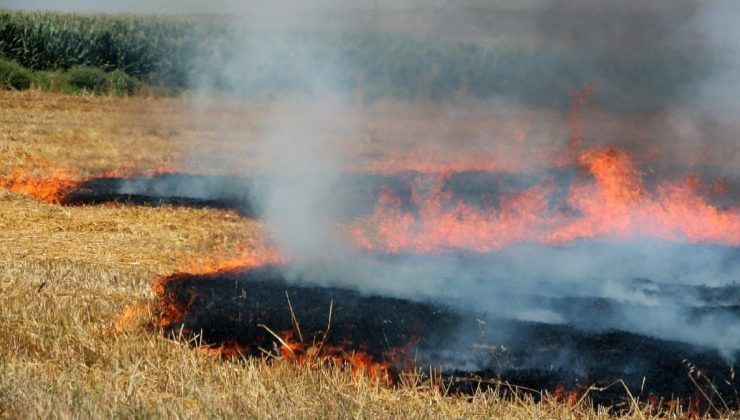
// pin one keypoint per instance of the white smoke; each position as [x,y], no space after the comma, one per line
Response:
[304,142]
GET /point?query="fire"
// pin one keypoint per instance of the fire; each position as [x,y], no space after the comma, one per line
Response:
[252,254]
[569,398]
[619,205]
[360,362]
[229,350]
[168,310]
[171,313]
[612,203]
[133,317]
[56,183]
[459,226]
[52,188]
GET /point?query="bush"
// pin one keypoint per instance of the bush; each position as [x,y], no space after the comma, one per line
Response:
[88,79]
[97,81]
[14,76]
[122,83]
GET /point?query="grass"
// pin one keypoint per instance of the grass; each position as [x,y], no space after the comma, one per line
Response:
[67,272]
[59,361]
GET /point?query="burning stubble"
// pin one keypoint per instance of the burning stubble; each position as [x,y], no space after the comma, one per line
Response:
[600,225]
[617,220]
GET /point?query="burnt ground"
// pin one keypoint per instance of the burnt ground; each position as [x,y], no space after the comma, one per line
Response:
[231,307]
[220,192]
[355,194]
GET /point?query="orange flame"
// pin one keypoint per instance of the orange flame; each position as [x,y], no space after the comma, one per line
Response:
[169,311]
[133,317]
[568,398]
[360,362]
[615,204]
[52,188]
[619,205]
[229,350]
[249,255]
[436,228]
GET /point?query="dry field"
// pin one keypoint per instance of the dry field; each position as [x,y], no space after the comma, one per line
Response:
[67,272]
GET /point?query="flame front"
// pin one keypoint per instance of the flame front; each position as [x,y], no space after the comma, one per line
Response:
[250,254]
[51,188]
[50,184]
[614,203]
[360,362]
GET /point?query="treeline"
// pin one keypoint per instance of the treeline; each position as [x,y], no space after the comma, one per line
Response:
[185,52]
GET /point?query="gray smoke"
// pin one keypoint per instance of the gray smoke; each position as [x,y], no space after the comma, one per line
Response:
[306,140]
[670,66]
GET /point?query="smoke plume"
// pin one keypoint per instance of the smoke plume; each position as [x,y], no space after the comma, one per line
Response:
[629,51]
[665,89]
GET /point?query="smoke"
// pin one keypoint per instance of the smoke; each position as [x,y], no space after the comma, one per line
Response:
[299,202]
[667,90]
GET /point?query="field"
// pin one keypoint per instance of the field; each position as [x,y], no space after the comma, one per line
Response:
[506,209]
[399,54]
[69,272]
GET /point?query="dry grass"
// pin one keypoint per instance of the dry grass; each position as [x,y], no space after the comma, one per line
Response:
[65,273]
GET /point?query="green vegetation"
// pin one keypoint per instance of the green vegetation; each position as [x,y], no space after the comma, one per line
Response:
[176,53]
[75,80]
[14,76]
[87,78]
[94,80]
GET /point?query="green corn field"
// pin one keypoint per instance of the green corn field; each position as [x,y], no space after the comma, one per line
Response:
[214,52]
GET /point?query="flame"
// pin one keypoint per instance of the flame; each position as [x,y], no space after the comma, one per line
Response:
[568,398]
[52,188]
[56,183]
[359,362]
[229,350]
[169,311]
[133,317]
[614,203]
[252,254]
[460,226]
[619,205]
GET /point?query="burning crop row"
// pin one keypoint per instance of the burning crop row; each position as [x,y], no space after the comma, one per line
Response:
[614,203]
[611,202]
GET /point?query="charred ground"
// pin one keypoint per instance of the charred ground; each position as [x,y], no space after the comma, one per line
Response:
[242,308]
